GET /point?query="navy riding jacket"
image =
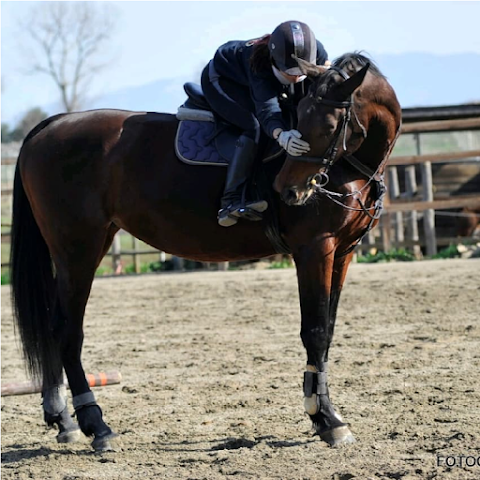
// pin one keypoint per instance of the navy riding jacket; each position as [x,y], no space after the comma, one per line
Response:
[232,61]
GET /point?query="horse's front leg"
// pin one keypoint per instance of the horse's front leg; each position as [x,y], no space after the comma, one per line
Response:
[315,271]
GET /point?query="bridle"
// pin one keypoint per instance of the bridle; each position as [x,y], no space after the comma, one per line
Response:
[328,158]
[320,179]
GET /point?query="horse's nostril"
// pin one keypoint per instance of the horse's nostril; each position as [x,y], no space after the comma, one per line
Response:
[290,195]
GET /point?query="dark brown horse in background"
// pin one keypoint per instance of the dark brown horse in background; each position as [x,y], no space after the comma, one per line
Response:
[82,176]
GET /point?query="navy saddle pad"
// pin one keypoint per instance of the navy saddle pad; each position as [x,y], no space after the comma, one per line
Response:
[207,143]
[198,143]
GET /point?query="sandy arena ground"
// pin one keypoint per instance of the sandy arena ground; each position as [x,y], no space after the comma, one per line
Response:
[212,367]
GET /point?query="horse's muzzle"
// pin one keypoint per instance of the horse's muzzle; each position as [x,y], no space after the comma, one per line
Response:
[294,197]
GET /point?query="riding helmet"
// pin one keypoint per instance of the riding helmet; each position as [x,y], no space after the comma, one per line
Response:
[289,38]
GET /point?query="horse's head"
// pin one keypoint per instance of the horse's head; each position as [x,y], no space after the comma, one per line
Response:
[332,118]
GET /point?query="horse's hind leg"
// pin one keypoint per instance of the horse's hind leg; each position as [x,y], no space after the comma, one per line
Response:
[54,394]
[55,409]
[75,272]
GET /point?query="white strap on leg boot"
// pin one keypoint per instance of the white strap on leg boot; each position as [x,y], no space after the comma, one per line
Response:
[310,391]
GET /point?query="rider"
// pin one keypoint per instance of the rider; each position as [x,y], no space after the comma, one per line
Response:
[243,84]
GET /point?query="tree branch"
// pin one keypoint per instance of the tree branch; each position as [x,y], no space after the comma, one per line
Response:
[70,37]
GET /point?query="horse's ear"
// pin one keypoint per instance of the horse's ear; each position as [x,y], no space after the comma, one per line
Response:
[309,69]
[350,85]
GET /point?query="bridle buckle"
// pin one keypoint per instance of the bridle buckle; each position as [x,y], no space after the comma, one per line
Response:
[320,179]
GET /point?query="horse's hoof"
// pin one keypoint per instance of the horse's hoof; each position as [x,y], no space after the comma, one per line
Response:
[69,436]
[338,436]
[103,443]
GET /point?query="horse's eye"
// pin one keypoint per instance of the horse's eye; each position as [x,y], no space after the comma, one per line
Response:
[329,128]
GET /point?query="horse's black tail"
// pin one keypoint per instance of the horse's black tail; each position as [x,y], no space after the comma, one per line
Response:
[33,288]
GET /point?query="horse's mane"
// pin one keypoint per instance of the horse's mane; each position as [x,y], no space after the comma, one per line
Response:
[354,61]
[350,63]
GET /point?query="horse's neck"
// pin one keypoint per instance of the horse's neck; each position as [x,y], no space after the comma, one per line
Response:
[381,137]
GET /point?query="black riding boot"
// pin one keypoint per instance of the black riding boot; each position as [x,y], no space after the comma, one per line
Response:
[233,204]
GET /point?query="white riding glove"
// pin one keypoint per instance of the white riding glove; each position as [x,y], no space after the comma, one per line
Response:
[291,142]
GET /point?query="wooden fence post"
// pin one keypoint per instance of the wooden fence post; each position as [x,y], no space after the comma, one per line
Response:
[178,263]
[411,223]
[395,193]
[385,221]
[428,215]
[116,257]
[369,240]
[136,258]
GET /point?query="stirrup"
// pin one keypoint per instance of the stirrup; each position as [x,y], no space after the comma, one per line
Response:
[258,206]
[225,218]
[251,211]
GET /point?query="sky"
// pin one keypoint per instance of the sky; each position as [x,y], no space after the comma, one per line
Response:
[175,39]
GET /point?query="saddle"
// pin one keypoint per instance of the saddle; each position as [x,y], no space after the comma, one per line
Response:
[203,138]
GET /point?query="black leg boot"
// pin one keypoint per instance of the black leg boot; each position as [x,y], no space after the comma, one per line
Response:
[233,206]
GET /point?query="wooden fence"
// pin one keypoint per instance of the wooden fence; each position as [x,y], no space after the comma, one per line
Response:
[400,221]
[118,255]
[393,224]
[136,253]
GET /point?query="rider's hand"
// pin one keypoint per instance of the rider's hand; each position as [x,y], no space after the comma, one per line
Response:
[291,142]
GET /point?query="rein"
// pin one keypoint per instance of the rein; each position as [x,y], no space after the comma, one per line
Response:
[374,212]
[372,176]
[321,179]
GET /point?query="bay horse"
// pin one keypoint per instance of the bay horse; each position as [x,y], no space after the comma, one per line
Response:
[83,176]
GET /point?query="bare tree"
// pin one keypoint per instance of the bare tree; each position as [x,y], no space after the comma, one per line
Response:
[69,38]
[31,118]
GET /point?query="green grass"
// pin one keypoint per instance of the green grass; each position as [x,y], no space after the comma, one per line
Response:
[449,252]
[6,278]
[285,263]
[394,255]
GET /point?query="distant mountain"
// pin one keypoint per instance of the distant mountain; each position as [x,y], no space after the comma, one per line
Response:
[420,79]
[164,95]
